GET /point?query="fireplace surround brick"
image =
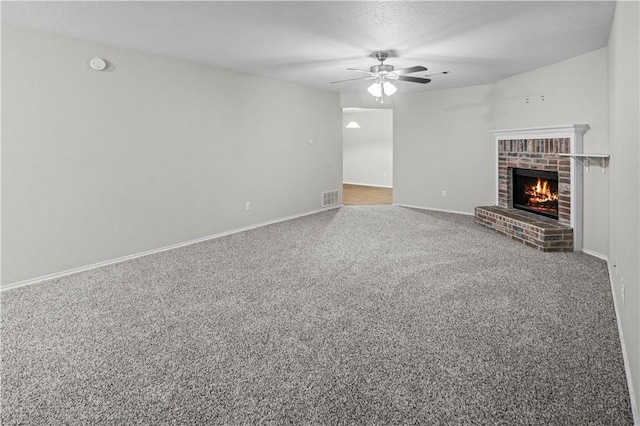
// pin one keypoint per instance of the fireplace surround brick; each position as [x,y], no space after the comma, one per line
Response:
[536,154]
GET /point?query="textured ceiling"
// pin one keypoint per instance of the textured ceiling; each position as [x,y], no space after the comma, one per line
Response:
[312,43]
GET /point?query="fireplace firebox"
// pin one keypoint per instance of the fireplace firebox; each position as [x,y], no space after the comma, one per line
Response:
[536,191]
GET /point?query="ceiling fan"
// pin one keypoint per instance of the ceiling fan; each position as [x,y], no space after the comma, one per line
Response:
[382,73]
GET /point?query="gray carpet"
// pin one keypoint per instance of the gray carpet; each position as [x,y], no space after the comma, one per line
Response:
[362,315]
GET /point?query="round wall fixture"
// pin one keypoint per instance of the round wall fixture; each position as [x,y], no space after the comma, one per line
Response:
[98,64]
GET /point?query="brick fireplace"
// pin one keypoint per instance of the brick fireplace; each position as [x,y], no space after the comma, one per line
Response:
[538,151]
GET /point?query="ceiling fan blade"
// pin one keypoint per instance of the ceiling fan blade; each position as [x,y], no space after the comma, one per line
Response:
[436,73]
[413,79]
[353,79]
[417,68]
[358,70]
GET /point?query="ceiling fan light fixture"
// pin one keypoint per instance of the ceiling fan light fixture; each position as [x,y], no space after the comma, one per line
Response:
[376,89]
[389,89]
[353,125]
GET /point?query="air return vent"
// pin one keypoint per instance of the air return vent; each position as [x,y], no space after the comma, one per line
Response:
[330,198]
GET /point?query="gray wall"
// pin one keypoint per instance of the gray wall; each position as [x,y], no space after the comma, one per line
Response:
[368,151]
[149,153]
[442,143]
[624,188]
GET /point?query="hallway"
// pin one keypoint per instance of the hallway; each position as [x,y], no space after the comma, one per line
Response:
[359,195]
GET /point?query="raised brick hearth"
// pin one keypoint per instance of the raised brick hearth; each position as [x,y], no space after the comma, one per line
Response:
[543,149]
[536,231]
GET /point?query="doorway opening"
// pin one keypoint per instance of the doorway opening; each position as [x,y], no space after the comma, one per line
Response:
[367,156]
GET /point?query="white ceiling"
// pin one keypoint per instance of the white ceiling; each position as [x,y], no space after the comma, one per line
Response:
[313,42]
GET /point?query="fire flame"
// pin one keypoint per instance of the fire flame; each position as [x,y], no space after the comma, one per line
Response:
[540,192]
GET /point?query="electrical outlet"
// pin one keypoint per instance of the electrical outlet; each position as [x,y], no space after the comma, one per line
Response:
[247,206]
[444,194]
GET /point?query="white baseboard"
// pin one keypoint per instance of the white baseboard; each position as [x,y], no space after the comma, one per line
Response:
[625,359]
[434,209]
[367,184]
[596,254]
[158,250]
